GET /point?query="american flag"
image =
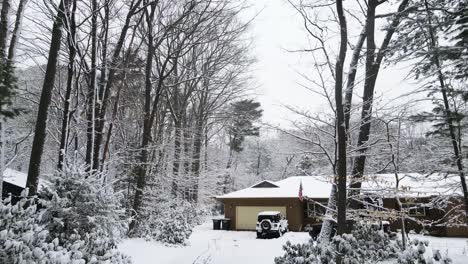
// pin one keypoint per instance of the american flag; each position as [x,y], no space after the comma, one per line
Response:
[301,198]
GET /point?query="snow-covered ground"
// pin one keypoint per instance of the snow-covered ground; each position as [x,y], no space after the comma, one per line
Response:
[455,248]
[225,247]
[212,246]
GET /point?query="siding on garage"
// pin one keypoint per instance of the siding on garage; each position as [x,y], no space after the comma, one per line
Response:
[294,209]
[246,216]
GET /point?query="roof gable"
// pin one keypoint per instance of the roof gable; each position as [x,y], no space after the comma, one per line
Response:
[265,184]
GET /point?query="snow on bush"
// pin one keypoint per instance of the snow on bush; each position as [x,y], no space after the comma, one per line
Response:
[170,221]
[365,244]
[415,253]
[76,221]
[83,207]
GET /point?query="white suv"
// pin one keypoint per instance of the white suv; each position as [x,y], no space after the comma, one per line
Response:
[271,223]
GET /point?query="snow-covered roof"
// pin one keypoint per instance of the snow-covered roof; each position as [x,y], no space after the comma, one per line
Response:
[312,186]
[410,185]
[15,177]
[19,178]
[269,213]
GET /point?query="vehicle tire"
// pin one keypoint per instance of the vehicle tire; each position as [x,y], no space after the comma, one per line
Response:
[265,225]
[279,234]
[259,235]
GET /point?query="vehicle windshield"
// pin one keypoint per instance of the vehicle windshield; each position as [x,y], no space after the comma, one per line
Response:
[273,218]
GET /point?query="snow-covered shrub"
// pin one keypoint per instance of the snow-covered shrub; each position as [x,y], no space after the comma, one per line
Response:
[415,254]
[25,239]
[173,230]
[365,244]
[84,208]
[59,227]
[170,221]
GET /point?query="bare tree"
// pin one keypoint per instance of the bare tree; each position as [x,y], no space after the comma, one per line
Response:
[41,122]
[373,61]
[341,125]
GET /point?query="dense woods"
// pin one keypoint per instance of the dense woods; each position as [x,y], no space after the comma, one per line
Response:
[137,113]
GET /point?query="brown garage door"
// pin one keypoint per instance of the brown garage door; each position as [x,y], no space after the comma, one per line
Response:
[246,216]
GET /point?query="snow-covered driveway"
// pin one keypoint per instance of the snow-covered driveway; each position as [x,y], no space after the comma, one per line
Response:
[233,247]
[212,246]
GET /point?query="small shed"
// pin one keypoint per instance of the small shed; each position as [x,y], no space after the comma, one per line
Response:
[14,182]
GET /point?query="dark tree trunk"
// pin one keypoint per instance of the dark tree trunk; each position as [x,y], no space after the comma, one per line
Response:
[176,116]
[176,158]
[227,175]
[367,100]
[198,142]
[16,31]
[113,68]
[352,77]
[117,98]
[111,128]
[91,96]
[4,28]
[433,45]
[147,122]
[196,158]
[341,130]
[373,63]
[331,206]
[102,83]
[71,70]
[187,139]
[41,122]
[341,127]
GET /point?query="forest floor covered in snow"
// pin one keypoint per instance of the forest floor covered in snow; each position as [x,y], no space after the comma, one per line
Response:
[225,247]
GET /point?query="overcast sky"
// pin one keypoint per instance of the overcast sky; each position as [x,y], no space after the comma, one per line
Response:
[277,29]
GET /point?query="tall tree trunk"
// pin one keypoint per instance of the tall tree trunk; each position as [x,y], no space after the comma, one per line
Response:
[16,31]
[367,101]
[187,139]
[196,158]
[433,46]
[198,142]
[340,122]
[205,159]
[117,98]
[352,77]
[71,70]
[41,121]
[373,63]
[2,155]
[102,84]
[227,174]
[176,116]
[91,95]
[113,66]
[176,158]
[111,127]
[326,231]
[4,28]
[147,122]
[3,39]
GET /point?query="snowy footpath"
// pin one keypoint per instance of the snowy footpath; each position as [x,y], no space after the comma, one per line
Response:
[232,247]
